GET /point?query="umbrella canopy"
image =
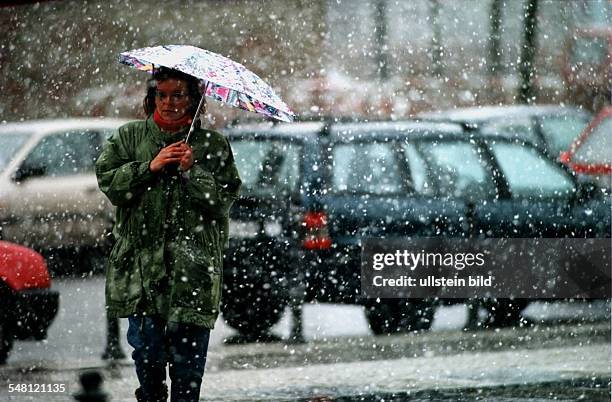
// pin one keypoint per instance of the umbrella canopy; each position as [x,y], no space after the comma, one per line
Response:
[224,79]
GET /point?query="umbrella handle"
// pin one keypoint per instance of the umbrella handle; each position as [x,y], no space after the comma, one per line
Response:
[197,114]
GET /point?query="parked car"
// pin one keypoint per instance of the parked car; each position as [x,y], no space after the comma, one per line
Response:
[547,126]
[49,196]
[590,155]
[313,190]
[28,304]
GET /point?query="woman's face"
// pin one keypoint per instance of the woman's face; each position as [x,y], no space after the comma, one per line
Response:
[172,99]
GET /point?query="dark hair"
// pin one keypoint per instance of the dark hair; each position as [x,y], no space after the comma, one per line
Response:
[162,74]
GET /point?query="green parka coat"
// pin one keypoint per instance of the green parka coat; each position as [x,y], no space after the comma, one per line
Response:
[170,228]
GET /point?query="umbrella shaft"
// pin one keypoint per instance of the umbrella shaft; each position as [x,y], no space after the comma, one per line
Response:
[197,115]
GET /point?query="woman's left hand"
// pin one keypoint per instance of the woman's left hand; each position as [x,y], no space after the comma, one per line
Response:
[187,160]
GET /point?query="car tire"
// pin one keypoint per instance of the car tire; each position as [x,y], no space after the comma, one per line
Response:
[252,304]
[505,312]
[397,315]
[6,333]
[91,261]
[6,341]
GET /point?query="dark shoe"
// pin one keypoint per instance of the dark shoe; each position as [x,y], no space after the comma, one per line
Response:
[160,395]
[139,396]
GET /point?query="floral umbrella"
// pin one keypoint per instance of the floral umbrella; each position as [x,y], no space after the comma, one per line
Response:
[223,79]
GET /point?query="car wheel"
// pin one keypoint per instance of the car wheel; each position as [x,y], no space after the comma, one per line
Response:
[6,342]
[505,312]
[398,315]
[252,303]
[91,261]
[6,333]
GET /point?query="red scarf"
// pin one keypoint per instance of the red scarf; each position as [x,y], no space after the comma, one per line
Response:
[172,125]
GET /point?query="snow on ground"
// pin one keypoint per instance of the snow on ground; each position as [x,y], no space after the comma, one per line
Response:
[78,335]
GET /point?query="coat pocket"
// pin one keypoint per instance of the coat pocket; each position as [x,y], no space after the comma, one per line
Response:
[123,279]
[197,284]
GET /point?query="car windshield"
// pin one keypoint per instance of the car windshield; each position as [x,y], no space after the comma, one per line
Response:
[560,130]
[597,146]
[9,145]
[267,166]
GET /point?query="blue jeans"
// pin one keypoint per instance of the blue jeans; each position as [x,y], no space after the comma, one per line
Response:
[158,343]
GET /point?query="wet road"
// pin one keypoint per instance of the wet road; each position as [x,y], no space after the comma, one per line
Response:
[565,356]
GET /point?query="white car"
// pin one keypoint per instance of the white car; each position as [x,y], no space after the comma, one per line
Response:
[49,196]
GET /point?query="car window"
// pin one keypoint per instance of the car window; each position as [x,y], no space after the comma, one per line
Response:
[64,154]
[513,128]
[597,147]
[366,168]
[448,169]
[560,131]
[589,50]
[531,174]
[9,145]
[268,165]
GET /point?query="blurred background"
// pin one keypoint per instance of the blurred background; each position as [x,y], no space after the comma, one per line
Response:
[367,58]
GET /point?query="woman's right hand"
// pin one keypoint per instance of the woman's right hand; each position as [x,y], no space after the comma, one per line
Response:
[172,154]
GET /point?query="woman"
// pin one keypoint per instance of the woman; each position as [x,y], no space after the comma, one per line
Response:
[172,202]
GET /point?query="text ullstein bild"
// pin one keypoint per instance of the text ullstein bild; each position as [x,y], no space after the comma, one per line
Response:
[460,268]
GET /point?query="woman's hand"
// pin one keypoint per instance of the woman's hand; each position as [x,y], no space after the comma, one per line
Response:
[177,153]
[187,159]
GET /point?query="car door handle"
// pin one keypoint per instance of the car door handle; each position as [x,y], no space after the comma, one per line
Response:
[90,190]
